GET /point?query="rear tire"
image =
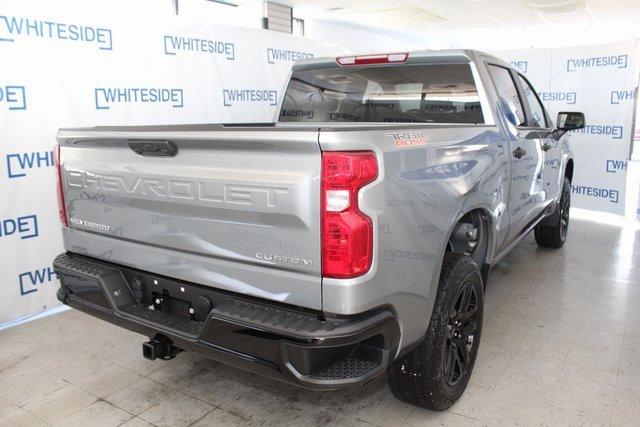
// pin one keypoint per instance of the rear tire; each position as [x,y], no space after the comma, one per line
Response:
[435,374]
[555,236]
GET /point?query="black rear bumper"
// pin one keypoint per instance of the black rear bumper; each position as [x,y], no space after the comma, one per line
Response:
[264,337]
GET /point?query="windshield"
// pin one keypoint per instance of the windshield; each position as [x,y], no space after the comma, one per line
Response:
[441,93]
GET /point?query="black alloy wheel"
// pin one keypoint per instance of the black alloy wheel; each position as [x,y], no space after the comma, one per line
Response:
[435,373]
[565,204]
[460,337]
[552,233]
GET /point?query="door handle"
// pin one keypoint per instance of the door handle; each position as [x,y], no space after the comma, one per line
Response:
[518,153]
[545,146]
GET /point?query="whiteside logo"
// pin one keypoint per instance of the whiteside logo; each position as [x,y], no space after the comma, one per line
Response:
[89,224]
[283,259]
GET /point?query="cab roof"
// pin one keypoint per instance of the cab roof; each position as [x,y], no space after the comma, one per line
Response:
[452,56]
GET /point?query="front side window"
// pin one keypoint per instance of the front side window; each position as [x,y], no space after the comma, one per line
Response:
[439,93]
[508,95]
[537,111]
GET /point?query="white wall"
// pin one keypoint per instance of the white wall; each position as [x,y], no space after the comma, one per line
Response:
[542,36]
[353,39]
[248,14]
[348,38]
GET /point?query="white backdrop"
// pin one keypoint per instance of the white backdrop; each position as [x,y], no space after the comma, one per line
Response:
[71,63]
[600,81]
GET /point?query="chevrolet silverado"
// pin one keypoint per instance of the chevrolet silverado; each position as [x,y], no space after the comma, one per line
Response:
[350,238]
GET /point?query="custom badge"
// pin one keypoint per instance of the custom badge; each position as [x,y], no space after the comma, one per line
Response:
[280,259]
[408,139]
[89,224]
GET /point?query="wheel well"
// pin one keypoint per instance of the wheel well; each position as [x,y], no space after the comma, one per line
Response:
[568,172]
[470,236]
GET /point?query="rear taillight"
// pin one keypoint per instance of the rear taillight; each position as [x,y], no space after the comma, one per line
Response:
[347,233]
[62,210]
[384,58]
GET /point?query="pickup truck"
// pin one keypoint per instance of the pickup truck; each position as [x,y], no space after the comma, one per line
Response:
[350,238]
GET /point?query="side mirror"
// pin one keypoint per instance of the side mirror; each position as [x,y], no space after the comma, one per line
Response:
[568,121]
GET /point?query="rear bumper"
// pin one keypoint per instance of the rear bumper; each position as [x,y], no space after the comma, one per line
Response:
[264,337]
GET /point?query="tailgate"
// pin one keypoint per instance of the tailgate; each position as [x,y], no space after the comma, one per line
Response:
[233,208]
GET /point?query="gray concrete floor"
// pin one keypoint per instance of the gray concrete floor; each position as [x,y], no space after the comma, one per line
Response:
[560,345]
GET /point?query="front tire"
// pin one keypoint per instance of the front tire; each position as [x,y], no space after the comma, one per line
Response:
[555,236]
[435,374]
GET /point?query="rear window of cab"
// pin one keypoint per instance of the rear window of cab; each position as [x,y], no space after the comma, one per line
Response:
[434,93]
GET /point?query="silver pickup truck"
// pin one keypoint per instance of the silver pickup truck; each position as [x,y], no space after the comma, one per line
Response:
[352,238]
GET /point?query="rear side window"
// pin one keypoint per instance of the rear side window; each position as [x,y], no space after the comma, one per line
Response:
[537,110]
[508,95]
[443,93]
